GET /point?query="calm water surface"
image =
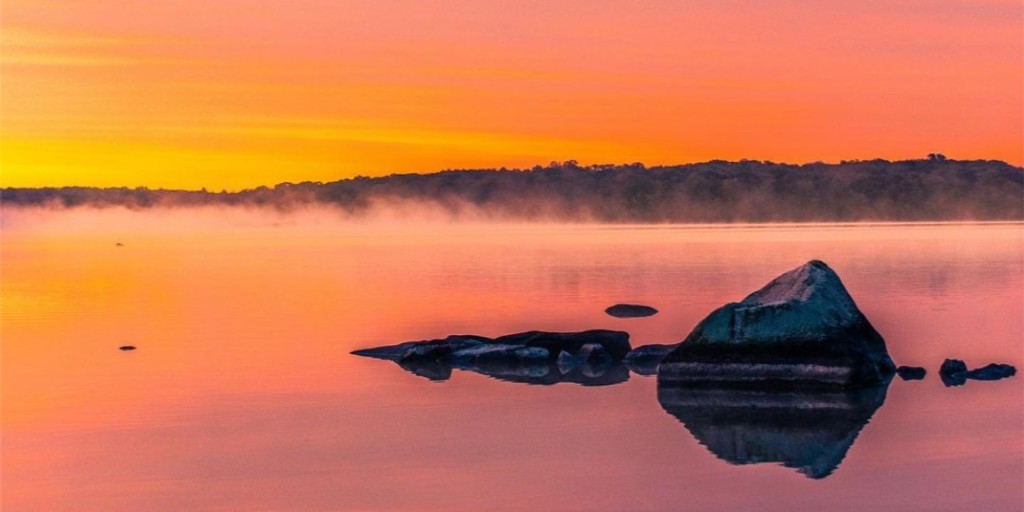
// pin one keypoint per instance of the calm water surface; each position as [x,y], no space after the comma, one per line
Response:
[242,394]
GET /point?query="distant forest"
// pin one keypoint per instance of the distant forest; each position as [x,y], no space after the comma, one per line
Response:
[935,188]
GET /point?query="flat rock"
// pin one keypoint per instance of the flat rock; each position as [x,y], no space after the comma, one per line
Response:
[590,358]
[630,311]
[911,372]
[801,329]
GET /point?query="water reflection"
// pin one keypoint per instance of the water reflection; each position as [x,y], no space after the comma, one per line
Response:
[809,431]
[540,373]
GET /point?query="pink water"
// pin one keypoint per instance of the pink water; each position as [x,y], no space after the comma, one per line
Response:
[243,395]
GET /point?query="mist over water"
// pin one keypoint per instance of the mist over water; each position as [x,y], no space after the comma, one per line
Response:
[713,192]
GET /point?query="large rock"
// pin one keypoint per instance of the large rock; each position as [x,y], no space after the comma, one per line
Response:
[590,358]
[801,329]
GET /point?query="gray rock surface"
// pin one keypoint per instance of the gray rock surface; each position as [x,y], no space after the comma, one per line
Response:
[801,329]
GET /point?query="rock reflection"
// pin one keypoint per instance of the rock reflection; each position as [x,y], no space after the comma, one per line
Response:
[540,373]
[807,430]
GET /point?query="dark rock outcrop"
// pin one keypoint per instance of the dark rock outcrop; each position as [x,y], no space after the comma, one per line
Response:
[953,372]
[992,372]
[809,430]
[630,311]
[645,360]
[801,329]
[911,372]
[590,358]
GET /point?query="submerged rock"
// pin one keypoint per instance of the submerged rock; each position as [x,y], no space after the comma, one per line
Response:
[630,311]
[953,372]
[645,360]
[911,372]
[809,430]
[992,372]
[801,329]
[534,357]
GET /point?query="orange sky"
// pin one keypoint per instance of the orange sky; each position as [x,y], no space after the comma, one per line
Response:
[240,93]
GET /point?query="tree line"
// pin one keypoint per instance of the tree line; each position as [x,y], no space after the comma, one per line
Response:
[935,188]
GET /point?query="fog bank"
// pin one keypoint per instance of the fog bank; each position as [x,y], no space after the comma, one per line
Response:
[935,189]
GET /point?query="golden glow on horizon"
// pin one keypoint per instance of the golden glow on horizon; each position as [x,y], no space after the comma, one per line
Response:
[241,93]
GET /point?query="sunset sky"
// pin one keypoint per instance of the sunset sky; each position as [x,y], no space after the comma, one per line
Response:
[241,93]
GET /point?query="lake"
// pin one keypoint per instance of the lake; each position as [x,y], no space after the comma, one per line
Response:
[242,394]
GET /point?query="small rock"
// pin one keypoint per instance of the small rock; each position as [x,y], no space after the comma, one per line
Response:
[911,372]
[126,347]
[630,311]
[952,366]
[953,372]
[119,244]
[992,372]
